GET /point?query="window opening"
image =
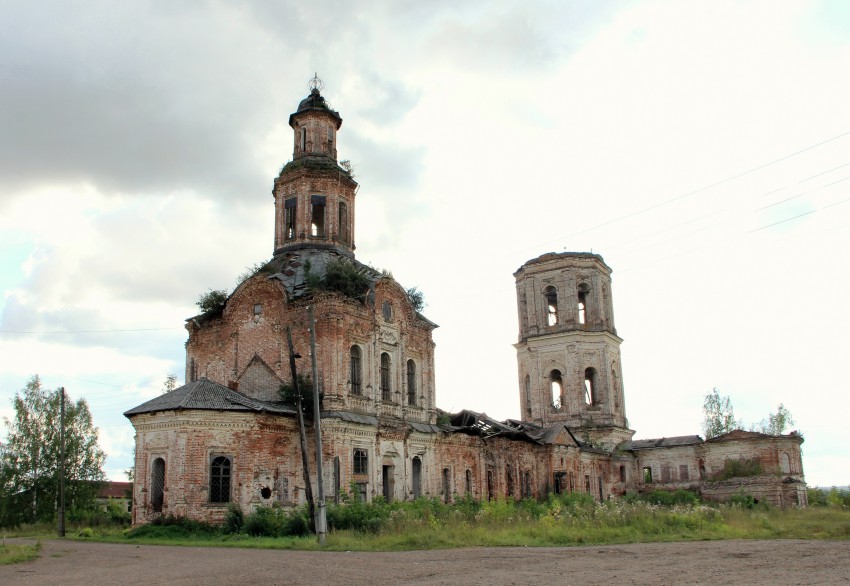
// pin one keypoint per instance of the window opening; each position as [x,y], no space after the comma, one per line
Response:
[344,235]
[701,469]
[411,382]
[510,482]
[157,484]
[446,485]
[330,134]
[220,480]
[317,216]
[556,384]
[665,473]
[560,482]
[587,483]
[684,474]
[356,370]
[386,392]
[361,461]
[266,492]
[303,138]
[590,386]
[387,310]
[489,485]
[622,473]
[582,304]
[551,305]
[785,463]
[361,488]
[417,477]
[572,482]
[601,488]
[468,482]
[387,475]
[647,474]
[527,485]
[528,394]
[289,207]
[258,308]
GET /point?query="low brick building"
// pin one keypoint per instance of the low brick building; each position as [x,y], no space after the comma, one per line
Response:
[226,436]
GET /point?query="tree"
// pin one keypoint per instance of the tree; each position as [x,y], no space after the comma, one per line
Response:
[31,456]
[417,298]
[776,423]
[719,415]
[212,300]
[170,383]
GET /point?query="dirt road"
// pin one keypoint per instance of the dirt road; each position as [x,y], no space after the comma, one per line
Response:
[706,562]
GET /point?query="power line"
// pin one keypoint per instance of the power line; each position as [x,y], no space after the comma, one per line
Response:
[88,331]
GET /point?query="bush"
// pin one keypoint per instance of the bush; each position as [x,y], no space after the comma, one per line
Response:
[665,497]
[743,500]
[234,520]
[739,468]
[170,526]
[276,522]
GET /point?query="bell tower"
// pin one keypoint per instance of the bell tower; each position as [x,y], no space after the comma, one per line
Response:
[568,353]
[313,195]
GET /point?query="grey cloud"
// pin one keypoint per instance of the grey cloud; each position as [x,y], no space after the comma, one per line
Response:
[383,165]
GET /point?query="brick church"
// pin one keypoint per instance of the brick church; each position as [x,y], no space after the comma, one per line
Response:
[226,437]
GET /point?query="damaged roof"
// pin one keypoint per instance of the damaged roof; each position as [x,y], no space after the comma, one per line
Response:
[663,442]
[481,424]
[206,395]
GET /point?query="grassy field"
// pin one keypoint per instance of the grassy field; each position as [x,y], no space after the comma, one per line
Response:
[14,553]
[429,524]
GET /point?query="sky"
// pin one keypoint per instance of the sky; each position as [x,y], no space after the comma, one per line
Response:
[702,148]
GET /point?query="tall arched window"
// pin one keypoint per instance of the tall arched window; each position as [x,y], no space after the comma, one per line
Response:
[303,138]
[356,370]
[157,484]
[411,382]
[590,391]
[417,477]
[528,394]
[468,482]
[557,386]
[386,389]
[447,488]
[582,303]
[785,463]
[220,480]
[317,216]
[551,305]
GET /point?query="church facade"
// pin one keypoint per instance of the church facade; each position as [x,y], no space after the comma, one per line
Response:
[227,437]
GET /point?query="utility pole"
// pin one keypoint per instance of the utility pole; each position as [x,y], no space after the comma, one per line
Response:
[308,488]
[321,513]
[61,461]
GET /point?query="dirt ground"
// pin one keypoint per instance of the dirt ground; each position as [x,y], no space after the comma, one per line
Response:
[783,562]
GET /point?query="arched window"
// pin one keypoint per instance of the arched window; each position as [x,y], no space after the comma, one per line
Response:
[490,486]
[551,305]
[528,394]
[386,390]
[356,370]
[303,138]
[289,208]
[417,477]
[411,382]
[157,484]
[582,303]
[509,476]
[468,482]
[447,488]
[220,480]
[590,394]
[556,384]
[527,492]
[317,216]
[387,310]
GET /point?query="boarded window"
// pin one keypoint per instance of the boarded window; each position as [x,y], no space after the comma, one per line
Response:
[411,382]
[683,472]
[220,471]
[356,373]
[386,390]
[157,484]
[665,473]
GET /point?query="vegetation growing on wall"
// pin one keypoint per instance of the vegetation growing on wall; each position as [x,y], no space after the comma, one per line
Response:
[212,300]
[341,276]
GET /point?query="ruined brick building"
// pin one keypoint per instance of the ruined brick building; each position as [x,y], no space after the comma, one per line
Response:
[225,436]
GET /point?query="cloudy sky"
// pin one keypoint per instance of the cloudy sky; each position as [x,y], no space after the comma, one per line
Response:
[703,148]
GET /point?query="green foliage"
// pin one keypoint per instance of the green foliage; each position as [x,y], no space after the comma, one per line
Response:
[836,498]
[743,500]
[170,383]
[250,271]
[234,520]
[173,527]
[417,298]
[212,300]
[30,458]
[776,423]
[665,498]
[719,415]
[739,468]
[12,553]
[305,389]
[276,522]
[341,276]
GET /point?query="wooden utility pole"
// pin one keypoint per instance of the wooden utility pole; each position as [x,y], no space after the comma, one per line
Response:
[321,513]
[61,461]
[308,489]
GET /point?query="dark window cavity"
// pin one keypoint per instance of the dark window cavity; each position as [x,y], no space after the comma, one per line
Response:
[556,384]
[387,310]
[622,473]
[447,488]
[344,231]
[289,207]
[157,484]
[386,390]
[468,482]
[220,471]
[317,216]
[417,477]
[587,483]
[303,138]
[356,370]
[411,382]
